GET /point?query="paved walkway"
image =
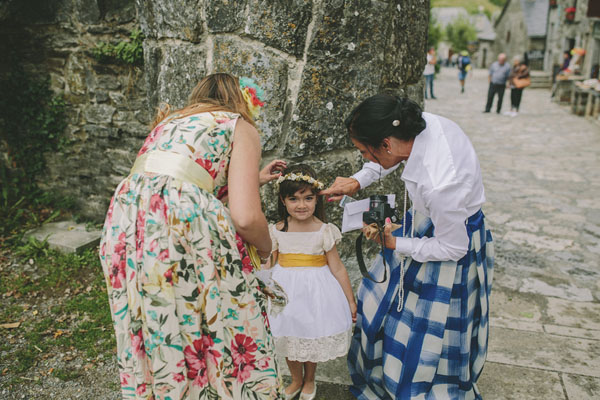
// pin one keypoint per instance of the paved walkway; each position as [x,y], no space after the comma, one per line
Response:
[542,175]
[541,171]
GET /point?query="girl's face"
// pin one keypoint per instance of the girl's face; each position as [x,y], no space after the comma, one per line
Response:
[301,205]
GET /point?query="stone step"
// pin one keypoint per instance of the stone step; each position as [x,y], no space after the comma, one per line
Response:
[540,79]
[66,236]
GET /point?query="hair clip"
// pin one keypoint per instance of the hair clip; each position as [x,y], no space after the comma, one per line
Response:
[253,95]
[396,122]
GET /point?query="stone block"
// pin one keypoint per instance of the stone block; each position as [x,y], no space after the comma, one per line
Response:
[98,131]
[282,25]
[108,82]
[99,113]
[404,55]
[180,19]
[101,96]
[66,236]
[345,64]
[168,78]
[500,381]
[225,15]
[581,387]
[572,332]
[508,305]
[574,314]
[544,351]
[119,11]
[268,69]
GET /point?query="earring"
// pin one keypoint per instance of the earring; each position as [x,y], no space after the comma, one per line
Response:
[389,152]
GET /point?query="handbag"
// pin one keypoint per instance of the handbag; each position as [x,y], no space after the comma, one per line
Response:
[522,83]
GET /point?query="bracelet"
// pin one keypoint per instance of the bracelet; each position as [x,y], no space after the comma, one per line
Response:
[264,260]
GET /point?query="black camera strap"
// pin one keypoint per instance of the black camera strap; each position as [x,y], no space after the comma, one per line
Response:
[361,262]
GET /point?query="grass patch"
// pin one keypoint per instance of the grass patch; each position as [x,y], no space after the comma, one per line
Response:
[79,319]
[66,374]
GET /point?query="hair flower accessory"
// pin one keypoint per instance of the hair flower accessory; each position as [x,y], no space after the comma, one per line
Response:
[253,95]
[301,178]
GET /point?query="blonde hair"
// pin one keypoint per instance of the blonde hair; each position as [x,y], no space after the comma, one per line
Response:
[215,92]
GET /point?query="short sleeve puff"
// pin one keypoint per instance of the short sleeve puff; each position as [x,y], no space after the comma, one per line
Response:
[275,245]
[331,236]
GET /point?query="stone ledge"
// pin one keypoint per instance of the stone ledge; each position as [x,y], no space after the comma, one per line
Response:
[66,236]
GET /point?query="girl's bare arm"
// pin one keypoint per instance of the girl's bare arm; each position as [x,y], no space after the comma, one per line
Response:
[339,272]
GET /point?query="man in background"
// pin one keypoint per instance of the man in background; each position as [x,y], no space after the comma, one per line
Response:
[498,75]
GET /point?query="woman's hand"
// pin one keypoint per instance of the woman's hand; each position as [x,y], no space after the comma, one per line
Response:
[390,240]
[271,171]
[342,186]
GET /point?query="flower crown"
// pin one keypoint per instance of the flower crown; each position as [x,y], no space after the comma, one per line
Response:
[253,95]
[301,177]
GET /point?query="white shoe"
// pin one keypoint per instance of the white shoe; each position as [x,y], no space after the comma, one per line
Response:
[291,395]
[507,113]
[514,114]
[309,396]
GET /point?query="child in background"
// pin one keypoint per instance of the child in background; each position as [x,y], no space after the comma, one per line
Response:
[316,324]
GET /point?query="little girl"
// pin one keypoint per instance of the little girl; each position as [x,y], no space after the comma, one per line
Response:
[316,324]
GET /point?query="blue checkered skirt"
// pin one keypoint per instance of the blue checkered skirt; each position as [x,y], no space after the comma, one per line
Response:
[435,347]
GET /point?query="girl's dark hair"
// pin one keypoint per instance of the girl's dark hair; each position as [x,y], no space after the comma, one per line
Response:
[287,188]
[372,120]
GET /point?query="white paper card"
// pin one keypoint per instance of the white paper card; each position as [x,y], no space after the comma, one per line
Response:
[353,211]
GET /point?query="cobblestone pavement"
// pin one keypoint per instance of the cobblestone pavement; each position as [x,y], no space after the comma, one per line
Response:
[541,171]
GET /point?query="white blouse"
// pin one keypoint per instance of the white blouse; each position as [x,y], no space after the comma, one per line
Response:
[443,180]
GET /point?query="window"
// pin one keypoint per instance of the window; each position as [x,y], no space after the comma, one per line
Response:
[593,9]
[508,37]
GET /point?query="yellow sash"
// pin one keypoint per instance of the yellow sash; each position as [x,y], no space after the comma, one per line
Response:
[301,260]
[175,165]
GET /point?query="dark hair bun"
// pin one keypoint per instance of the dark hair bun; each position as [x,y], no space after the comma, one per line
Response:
[384,115]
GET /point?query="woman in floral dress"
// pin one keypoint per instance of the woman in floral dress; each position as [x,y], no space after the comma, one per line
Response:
[189,317]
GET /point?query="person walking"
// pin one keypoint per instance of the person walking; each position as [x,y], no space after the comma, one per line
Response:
[429,72]
[189,318]
[498,75]
[519,79]
[464,65]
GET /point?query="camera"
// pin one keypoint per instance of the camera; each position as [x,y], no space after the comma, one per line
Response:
[379,210]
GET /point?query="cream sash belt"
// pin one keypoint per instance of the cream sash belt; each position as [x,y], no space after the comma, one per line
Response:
[175,165]
[301,260]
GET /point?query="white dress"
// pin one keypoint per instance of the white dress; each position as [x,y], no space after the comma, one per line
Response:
[316,324]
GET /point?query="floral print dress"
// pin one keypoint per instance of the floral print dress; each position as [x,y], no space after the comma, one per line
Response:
[189,318]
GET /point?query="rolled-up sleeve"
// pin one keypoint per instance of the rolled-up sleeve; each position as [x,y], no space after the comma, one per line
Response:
[448,215]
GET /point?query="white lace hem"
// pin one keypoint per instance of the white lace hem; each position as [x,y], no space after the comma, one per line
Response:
[319,349]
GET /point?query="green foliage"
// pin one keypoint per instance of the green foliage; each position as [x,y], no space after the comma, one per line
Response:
[130,53]
[80,317]
[460,33]
[472,6]
[435,34]
[32,124]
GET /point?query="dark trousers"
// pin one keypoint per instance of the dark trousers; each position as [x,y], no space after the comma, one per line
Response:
[494,89]
[515,98]
[429,82]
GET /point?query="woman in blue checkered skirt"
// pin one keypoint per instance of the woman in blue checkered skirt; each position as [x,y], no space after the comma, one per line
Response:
[422,333]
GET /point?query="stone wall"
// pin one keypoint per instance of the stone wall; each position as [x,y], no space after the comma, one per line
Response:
[107,109]
[315,60]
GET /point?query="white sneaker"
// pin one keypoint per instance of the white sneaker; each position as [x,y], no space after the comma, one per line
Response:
[507,113]
[514,114]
